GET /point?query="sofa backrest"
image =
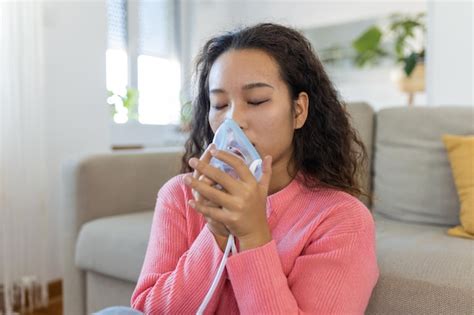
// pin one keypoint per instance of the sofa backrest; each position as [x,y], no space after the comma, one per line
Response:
[362,119]
[120,183]
[412,176]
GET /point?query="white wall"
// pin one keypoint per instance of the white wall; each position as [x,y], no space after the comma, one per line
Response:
[75,92]
[212,16]
[450,64]
[372,85]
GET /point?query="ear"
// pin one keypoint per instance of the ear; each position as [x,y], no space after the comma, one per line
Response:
[301,105]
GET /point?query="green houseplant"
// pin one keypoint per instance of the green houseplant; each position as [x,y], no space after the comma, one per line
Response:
[402,40]
[406,34]
[185,113]
[185,116]
[124,103]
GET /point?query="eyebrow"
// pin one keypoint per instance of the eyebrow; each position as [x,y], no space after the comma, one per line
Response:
[245,87]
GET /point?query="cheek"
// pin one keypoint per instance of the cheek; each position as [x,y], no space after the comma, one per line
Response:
[273,121]
[274,131]
[214,121]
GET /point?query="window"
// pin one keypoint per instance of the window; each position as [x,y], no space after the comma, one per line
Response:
[158,85]
[142,54]
[117,81]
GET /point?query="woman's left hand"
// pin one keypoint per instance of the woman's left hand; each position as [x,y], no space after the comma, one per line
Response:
[242,201]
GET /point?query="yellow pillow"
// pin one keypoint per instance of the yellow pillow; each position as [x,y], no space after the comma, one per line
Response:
[461,157]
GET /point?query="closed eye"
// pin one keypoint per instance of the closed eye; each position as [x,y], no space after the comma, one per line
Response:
[257,102]
[218,107]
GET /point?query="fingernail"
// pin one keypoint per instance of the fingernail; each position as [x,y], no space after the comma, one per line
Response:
[193,162]
[192,203]
[187,180]
[213,152]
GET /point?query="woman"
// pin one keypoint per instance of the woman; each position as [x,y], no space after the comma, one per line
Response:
[305,242]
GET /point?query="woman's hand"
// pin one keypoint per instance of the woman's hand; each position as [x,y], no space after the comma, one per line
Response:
[242,203]
[218,229]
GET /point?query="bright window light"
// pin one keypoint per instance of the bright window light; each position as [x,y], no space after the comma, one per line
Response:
[116,63]
[159,86]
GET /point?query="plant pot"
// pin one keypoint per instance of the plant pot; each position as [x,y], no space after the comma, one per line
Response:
[412,84]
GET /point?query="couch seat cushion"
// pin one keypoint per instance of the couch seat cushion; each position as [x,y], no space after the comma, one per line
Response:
[115,246]
[422,270]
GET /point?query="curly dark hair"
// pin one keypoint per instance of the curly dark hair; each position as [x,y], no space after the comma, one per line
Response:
[327,149]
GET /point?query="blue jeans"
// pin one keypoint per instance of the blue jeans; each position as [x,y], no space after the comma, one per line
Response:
[118,310]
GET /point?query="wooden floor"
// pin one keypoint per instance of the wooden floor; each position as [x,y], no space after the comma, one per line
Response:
[55,308]
[55,305]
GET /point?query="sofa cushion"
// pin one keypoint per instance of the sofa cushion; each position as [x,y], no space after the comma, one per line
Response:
[461,157]
[422,270]
[115,246]
[412,176]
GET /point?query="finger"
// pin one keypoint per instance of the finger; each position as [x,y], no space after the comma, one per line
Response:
[208,181]
[266,173]
[200,198]
[214,213]
[203,178]
[205,157]
[236,163]
[205,201]
[212,194]
[218,176]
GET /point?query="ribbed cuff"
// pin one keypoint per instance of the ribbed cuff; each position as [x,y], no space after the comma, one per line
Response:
[258,281]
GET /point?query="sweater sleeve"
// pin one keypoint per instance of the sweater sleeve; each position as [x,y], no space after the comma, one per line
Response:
[175,277]
[334,275]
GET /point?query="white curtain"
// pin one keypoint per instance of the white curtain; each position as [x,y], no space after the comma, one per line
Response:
[23,190]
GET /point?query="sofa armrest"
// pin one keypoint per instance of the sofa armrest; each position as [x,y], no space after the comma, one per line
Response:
[105,185]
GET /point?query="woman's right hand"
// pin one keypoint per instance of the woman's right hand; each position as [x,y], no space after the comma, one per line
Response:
[217,228]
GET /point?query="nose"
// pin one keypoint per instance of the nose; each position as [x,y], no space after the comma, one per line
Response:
[237,113]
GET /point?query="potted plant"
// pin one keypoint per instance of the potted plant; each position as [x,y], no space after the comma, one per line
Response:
[124,104]
[402,40]
[185,112]
[185,116]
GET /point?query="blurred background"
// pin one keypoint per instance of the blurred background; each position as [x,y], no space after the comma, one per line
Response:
[94,76]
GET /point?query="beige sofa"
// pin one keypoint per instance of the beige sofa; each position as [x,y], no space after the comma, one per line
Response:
[109,200]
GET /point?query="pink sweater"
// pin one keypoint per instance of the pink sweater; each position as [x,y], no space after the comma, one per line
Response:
[321,259]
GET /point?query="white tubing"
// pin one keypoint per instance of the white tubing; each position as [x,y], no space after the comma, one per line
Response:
[220,270]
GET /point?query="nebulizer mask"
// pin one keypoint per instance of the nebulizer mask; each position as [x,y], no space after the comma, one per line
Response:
[229,137]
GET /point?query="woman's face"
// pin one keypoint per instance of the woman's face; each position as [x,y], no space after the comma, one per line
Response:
[245,85]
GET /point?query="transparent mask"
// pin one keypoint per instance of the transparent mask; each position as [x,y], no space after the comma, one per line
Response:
[229,137]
